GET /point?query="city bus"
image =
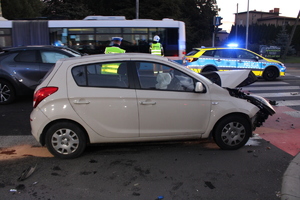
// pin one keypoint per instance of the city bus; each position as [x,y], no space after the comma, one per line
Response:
[92,34]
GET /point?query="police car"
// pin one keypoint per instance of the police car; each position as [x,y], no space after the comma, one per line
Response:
[206,59]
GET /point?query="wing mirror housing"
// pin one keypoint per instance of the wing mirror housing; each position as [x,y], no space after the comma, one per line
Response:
[199,87]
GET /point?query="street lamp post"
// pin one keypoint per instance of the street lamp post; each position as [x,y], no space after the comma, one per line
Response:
[247,27]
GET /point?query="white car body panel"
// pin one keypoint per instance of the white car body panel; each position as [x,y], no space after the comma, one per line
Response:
[117,115]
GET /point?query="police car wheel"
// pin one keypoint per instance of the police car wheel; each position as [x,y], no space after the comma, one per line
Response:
[209,69]
[270,74]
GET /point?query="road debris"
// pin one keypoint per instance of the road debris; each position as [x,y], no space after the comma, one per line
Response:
[277,120]
[274,103]
[209,184]
[294,93]
[26,173]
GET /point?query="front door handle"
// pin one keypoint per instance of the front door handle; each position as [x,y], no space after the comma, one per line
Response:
[81,101]
[148,102]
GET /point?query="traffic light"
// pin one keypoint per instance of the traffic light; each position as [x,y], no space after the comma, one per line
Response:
[218,21]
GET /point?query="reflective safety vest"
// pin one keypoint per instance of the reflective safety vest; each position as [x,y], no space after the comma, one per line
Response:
[109,50]
[111,68]
[156,49]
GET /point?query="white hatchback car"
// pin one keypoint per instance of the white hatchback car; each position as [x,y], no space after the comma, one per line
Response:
[141,97]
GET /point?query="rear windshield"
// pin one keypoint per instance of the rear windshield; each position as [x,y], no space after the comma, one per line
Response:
[192,52]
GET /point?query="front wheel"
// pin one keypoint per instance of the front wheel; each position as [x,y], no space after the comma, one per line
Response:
[232,132]
[270,74]
[7,92]
[65,140]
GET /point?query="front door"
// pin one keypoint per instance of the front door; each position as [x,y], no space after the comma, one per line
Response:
[168,104]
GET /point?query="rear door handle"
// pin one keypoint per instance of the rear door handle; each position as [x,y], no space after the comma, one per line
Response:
[148,102]
[81,101]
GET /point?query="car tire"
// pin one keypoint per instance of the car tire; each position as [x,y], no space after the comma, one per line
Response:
[209,69]
[7,93]
[232,132]
[270,74]
[65,140]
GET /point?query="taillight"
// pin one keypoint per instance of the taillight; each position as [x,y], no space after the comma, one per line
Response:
[191,59]
[42,94]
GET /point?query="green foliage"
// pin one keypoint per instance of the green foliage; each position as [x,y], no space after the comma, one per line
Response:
[20,9]
[66,9]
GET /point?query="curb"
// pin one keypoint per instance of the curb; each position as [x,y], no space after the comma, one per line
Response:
[291,180]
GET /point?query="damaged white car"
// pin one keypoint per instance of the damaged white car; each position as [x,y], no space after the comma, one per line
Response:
[141,97]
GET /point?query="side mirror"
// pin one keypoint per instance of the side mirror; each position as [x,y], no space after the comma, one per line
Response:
[199,87]
[257,58]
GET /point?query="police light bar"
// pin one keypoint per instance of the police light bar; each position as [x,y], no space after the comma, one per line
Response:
[232,45]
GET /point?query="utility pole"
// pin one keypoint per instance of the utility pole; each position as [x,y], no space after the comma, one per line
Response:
[291,36]
[137,9]
[236,19]
[247,27]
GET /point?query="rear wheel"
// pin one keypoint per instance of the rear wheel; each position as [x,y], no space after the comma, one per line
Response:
[7,92]
[232,132]
[270,74]
[65,140]
[209,69]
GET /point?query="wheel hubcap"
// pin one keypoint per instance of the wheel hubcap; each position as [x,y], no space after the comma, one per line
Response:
[233,133]
[65,141]
[4,92]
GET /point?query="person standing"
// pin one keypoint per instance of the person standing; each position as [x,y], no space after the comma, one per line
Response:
[115,47]
[156,47]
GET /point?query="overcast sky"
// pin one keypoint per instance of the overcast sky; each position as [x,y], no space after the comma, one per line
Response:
[288,8]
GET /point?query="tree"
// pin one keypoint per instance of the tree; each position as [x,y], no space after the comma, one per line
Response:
[20,9]
[66,9]
[282,41]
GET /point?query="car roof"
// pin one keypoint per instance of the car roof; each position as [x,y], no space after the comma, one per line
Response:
[113,57]
[215,48]
[37,47]
[6,49]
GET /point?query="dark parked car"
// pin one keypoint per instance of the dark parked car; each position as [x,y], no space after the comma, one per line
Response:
[21,68]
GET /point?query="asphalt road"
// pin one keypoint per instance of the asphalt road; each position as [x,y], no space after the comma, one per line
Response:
[175,170]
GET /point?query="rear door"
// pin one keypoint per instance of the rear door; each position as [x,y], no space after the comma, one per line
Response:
[25,67]
[225,59]
[104,101]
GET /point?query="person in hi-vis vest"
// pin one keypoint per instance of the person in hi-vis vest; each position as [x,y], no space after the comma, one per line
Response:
[115,47]
[156,48]
[112,68]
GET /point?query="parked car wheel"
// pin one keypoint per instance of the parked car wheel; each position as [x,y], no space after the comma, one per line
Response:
[7,92]
[232,132]
[65,140]
[270,74]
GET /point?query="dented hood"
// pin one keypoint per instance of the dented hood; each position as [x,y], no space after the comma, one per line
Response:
[231,79]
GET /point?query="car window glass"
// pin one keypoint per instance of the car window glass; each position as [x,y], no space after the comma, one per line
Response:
[160,77]
[226,53]
[101,75]
[26,56]
[245,54]
[208,53]
[192,52]
[51,56]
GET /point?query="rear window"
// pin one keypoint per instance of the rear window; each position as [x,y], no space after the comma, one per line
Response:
[192,52]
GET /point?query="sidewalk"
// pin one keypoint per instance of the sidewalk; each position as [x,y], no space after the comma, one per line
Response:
[290,189]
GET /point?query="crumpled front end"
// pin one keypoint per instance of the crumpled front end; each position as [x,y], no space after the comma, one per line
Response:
[265,108]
